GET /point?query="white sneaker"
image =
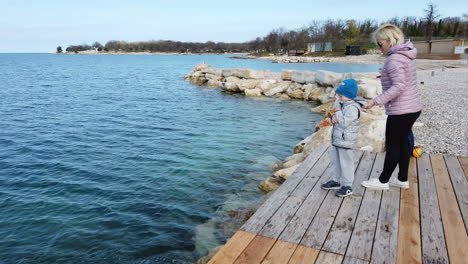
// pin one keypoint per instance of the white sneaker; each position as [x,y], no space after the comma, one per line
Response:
[375,184]
[397,183]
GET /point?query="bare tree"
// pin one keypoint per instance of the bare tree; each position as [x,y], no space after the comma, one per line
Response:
[431,15]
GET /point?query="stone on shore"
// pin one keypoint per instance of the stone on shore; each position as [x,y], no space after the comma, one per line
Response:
[286,75]
[328,78]
[270,184]
[303,77]
[280,88]
[272,75]
[285,173]
[243,73]
[253,92]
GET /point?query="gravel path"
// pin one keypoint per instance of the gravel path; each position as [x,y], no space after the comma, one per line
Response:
[445,113]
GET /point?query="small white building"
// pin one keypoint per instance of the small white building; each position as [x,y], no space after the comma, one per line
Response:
[319,46]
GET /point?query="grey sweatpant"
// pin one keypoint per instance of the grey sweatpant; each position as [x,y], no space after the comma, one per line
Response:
[342,165]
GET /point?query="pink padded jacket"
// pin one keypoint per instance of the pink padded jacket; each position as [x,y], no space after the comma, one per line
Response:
[399,89]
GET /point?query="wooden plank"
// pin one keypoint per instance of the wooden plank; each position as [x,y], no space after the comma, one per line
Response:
[464,165]
[360,245]
[304,255]
[432,233]
[280,253]
[454,228]
[256,250]
[295,230]
[276,224]
[460,185]
[409,233]
[271,205]
[318,229]
[350,260]
[385,246]
[233,248]
[340,233]
[329,258]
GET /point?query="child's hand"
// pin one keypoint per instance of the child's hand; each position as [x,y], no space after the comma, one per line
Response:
[334,120]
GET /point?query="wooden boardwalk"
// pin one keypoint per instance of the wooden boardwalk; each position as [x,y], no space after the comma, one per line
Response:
[301,223]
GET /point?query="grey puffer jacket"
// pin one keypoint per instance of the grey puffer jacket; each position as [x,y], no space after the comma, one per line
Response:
[345,133]
[400,93]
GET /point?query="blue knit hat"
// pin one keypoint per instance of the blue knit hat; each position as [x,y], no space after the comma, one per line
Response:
[348,88]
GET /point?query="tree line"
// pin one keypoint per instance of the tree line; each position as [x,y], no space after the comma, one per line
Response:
[340,33]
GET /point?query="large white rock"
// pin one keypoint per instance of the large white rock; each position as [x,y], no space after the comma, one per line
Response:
[369,88]
[213,83]
[200,67]
[323,108]
[245,84]
[295,91]
[328,96]
[210,76]
[298,157]
[279,88]
[272,75]
[267,84]
[307,90]
[300,146]
[253,92]
[230,86]
[303,77]
[217,72]
[286,75]
[323,136]
[328,78]
[243,73]
[372,133]
[285,173]
[270,184]
[316,92]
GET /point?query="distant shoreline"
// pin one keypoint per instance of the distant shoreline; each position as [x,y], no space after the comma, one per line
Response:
[144,53]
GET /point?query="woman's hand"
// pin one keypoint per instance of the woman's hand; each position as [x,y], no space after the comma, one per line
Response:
[370,104]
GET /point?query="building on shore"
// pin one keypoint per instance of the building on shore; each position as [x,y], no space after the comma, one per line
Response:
[443,48]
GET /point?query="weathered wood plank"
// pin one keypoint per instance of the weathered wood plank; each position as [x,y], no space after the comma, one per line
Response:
[340,233]
[385,245]
[304,255]
[432,234]
[464,165]
[276,224]
[318,229]
[233,248]
[256,250]
[329,258]
[280,253]
[295,230]
[409,233]
[350,260]
[454,228]
[271,205]
[460,185]
[360,245]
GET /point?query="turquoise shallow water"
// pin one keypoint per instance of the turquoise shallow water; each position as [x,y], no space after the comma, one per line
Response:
[116,159]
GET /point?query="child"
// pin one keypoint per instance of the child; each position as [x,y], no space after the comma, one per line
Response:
[344,137]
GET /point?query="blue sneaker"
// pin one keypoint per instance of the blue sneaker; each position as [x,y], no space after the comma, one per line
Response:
[331,185]
[344,191]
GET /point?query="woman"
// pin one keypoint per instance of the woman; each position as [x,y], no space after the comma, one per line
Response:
[402,104]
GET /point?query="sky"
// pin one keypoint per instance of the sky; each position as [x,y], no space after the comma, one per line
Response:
[42,25]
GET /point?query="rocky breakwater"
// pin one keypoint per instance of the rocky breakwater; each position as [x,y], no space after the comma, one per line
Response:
[318,87]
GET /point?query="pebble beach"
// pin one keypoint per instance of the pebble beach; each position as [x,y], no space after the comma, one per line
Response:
[443,124]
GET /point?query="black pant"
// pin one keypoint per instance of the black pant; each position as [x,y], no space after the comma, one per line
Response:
[396,143]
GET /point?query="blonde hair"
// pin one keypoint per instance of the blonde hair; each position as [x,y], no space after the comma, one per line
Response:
[391,33]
